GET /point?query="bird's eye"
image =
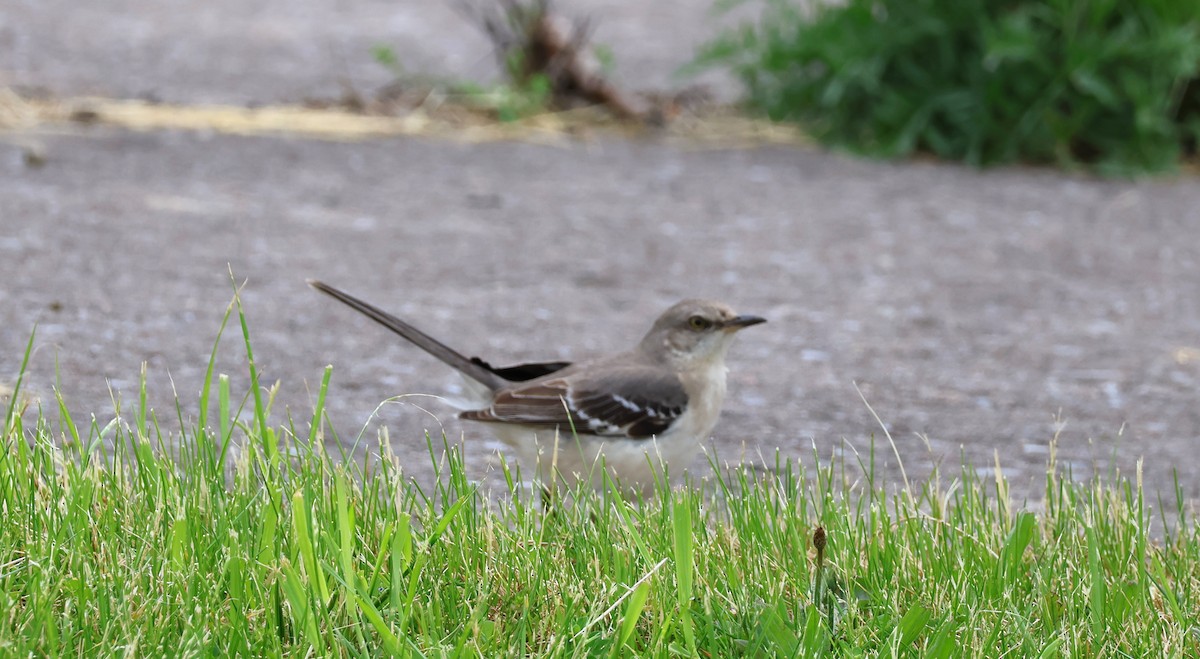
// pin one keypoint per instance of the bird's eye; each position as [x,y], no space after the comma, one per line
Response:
[699,323]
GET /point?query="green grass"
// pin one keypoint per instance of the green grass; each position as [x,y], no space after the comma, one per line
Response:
[234,534]
[518,98]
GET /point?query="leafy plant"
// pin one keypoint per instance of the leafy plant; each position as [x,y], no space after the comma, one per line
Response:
[1112,84]
[386,57]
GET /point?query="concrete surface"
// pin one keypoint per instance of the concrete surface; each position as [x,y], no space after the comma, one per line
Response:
[979,313]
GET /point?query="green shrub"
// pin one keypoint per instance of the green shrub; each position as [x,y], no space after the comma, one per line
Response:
[1113,84]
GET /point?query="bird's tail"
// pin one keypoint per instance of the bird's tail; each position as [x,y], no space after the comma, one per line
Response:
[416,336]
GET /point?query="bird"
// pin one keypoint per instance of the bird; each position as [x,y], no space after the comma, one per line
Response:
[629,414]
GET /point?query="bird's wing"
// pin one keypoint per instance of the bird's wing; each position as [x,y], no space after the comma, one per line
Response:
[522,372]
[631,401]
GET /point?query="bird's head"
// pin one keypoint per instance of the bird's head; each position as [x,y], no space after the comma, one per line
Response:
[695,331]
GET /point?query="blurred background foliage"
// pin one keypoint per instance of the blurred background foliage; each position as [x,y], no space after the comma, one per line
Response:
[1110,85]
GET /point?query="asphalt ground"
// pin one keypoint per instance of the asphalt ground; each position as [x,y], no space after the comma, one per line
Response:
[980,314]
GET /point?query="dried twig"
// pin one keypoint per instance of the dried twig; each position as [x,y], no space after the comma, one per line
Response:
[530,40]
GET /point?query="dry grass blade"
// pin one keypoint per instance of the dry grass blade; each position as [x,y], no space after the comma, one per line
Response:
[15,112]
[718,128]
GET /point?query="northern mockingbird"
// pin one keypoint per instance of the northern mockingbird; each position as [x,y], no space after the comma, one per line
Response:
[656,402]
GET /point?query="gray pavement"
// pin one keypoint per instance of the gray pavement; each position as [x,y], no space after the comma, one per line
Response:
[227,51]
[979,313]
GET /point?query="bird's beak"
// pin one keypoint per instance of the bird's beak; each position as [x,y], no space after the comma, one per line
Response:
[740,322]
